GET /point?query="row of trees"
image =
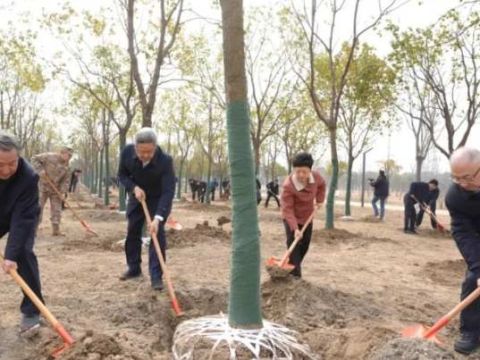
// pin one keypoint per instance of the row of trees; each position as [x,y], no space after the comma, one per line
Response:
[137,64]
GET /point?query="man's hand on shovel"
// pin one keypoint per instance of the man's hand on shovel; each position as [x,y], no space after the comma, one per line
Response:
[9,265]
[139,193]
[154,226]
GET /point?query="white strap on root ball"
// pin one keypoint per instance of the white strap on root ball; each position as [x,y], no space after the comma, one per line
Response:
[212,338]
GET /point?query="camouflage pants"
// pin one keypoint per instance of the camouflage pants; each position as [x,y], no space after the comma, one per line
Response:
[55,206]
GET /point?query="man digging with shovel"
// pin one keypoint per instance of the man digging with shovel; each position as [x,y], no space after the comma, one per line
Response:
[54,180]
[300,190]
[463,203]
[19,214]
[147,174]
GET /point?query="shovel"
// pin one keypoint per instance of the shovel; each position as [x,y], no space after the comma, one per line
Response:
[67,205]
[427,209]
[66,337]
[283,264]
[173,224]
[424,332]
[175,304]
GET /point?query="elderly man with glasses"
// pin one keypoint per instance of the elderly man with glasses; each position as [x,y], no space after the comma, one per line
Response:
[463,203]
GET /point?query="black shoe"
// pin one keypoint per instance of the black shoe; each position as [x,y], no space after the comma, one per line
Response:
[467,343]
[157,284]
[411,232]
[29,322]
[127,275]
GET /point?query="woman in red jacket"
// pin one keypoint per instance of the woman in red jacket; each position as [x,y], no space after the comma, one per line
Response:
[300,190]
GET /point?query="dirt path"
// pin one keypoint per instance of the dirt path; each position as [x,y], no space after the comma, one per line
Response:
[360,286]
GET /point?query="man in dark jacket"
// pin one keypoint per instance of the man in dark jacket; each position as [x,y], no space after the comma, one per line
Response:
[202,190]
[463,203]
[19,215]
[147,173]
[193,187]
[432,205]
[420,192]
[380,193]
[272,191]
[259,191]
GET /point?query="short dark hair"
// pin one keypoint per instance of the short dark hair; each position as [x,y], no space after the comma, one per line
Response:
[434,182]
[382,173]
[9,142]
[303,159]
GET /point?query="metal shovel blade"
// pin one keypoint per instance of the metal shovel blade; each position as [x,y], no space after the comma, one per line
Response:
[419,332]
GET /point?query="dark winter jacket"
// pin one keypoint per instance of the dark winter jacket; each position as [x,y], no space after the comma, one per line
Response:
[464,208]
[381,187]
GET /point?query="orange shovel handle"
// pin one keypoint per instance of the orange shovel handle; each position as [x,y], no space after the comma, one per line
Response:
[297,239]
[67,205]
[175,305]
[67,338]
[440,324]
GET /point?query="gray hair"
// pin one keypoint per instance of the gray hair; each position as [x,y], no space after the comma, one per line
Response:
[146,135]
[465,154]
[9,142]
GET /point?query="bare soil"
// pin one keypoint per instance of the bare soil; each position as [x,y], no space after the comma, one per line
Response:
[362,284]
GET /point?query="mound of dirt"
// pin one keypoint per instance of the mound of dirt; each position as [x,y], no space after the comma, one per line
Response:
[448,272]
[303,306]
[204,207]
[370,219]
[101,215]
[200,234]
[411,349]
[335,234]
[104,241]
[95,346]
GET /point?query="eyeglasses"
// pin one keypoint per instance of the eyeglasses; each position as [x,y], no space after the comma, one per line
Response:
[465,179]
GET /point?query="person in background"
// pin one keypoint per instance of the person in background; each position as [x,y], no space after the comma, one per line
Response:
[432,204]
[259,191]
[419,192]
[380,193]
[53,169]
[301,190]
[272,191]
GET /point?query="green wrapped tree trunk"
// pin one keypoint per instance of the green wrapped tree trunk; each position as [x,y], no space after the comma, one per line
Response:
[244,303]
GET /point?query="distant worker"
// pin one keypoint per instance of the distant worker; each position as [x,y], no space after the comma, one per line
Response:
[272,191]
[419,193]
[380,193]
[54,176]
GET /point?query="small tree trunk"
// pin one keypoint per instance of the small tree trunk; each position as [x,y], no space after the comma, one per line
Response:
[100,174]
[418,173]
[348,187]
[121,190]
[330,207]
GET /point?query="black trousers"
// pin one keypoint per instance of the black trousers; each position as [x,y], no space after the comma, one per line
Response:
[421,213]
[298,254]
[410,214]
[73,186]
[133,243]
[201,196]
[28,269]
[194,192]
[270,195]
[470,317]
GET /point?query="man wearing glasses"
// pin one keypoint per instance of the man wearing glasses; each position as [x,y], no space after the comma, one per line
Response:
[463,203]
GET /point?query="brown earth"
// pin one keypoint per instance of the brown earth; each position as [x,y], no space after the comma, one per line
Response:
[362,284]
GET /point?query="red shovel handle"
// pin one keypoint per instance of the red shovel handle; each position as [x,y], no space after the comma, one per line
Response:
[440,324]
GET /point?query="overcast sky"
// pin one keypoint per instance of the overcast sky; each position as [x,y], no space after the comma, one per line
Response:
[398,146]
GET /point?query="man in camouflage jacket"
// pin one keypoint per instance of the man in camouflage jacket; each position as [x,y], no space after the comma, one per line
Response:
[54,167]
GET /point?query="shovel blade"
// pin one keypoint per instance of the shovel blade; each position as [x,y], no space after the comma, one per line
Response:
[276,262]
[419,332]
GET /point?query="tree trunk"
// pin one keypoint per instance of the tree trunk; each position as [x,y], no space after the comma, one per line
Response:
[244,307]
[121,190]
[100,174]
[418,172]
[179,183]
[348,187]
[330,207]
